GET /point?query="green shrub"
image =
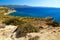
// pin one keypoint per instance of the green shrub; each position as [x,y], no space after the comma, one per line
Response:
[22,30]
[29,28]
[12,21]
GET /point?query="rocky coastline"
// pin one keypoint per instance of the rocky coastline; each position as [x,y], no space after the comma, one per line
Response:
[27,28]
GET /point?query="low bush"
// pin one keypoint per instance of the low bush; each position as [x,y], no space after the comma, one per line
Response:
[23,30]
[12,21]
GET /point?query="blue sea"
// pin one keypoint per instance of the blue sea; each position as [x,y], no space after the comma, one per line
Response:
[38,12]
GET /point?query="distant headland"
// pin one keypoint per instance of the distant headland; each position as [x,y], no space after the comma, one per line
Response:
[15,6]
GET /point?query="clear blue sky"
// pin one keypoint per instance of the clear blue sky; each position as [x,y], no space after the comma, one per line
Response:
[46,3]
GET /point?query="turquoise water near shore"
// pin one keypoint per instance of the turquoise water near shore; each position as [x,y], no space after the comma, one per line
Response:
[38,12]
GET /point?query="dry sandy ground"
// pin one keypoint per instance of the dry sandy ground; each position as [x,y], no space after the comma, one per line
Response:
[52,33]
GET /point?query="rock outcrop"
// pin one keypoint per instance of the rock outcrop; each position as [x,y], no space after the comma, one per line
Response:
[7,32]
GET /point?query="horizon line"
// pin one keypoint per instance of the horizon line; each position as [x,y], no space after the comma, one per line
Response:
[34,6]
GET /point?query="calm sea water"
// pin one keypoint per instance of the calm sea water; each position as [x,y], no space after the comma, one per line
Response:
[38,12]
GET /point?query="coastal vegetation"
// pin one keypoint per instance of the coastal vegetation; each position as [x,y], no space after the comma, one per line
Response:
[54,24]
[22,30]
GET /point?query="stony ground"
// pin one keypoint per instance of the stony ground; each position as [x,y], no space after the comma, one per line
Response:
[52,33]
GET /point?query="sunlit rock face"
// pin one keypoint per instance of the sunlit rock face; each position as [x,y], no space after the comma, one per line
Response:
[7,32]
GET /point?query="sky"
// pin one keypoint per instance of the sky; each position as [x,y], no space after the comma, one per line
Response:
[43,3]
